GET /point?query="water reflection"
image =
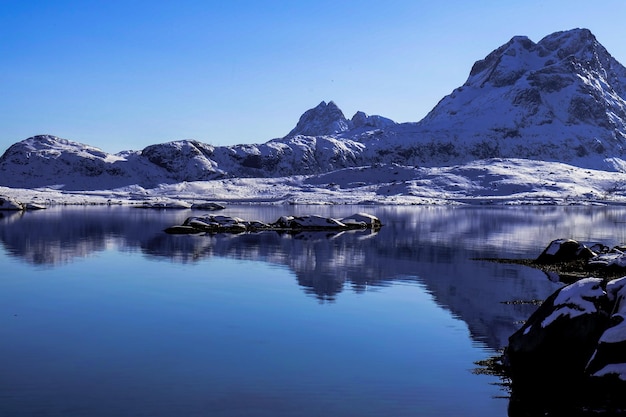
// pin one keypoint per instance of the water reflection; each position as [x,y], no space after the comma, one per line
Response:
[432,246]
[435,246]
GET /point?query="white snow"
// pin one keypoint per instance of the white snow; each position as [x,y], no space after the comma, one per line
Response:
[616,292]
[493,182]
[614,288]
[576,300]
[617,369]
[554,247]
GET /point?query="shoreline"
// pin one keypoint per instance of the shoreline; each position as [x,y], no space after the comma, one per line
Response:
[55,197]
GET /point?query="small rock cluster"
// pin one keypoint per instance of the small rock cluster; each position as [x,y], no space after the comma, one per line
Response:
[571,259]
[177,204]
[227,224]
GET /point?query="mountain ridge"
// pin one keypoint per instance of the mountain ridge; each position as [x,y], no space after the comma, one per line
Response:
[562,99]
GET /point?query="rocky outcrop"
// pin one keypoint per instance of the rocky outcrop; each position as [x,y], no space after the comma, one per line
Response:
[310,223]
[570,259]
[558,340]
[574,343]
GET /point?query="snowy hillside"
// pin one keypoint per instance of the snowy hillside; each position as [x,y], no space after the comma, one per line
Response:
[485,182]
[559,100]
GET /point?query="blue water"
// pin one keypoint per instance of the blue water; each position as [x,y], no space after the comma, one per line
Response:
[103,314]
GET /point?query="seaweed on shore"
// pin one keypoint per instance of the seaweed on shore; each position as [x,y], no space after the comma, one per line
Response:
[566,271]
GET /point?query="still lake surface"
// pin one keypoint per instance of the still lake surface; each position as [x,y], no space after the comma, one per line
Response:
[103,314]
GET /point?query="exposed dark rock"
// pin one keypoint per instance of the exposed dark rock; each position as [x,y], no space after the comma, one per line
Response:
[565,250]
[325,119]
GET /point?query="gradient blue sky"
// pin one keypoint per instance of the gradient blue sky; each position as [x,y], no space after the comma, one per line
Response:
[125,74]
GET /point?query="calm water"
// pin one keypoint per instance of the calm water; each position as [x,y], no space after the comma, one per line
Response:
[103,314]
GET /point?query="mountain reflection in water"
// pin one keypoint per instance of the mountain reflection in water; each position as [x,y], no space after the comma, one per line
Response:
[433,246]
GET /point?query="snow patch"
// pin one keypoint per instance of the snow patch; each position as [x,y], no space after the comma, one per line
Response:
[576,300]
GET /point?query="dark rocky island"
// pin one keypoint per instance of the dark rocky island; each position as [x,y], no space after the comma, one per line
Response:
[292,224]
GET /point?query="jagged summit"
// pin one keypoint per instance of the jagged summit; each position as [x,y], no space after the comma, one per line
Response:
[577,50]
[561,99]
[324,119]
[327,119]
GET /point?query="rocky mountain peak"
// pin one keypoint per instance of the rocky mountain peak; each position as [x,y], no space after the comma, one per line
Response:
[324,119]
[576,50]
[43,141]
[571,42]
[522,98]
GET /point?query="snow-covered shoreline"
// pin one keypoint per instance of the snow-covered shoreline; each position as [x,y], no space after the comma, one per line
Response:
[484,182]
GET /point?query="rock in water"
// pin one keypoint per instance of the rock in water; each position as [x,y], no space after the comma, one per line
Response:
[565,250]
[8,203]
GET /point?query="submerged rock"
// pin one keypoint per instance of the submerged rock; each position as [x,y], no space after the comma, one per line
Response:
[182,230]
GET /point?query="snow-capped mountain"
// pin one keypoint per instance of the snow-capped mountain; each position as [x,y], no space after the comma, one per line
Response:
[561,99]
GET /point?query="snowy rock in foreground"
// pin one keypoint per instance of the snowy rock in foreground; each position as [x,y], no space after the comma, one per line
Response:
[571,317]
[575,300]
[575,342]
[609,359]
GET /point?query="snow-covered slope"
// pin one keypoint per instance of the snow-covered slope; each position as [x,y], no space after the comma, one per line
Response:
[561,99]
[485,182]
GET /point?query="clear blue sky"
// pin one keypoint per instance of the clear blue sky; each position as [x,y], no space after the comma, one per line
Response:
[125,74]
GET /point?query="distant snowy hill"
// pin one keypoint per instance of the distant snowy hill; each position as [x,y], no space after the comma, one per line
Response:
[561,99]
